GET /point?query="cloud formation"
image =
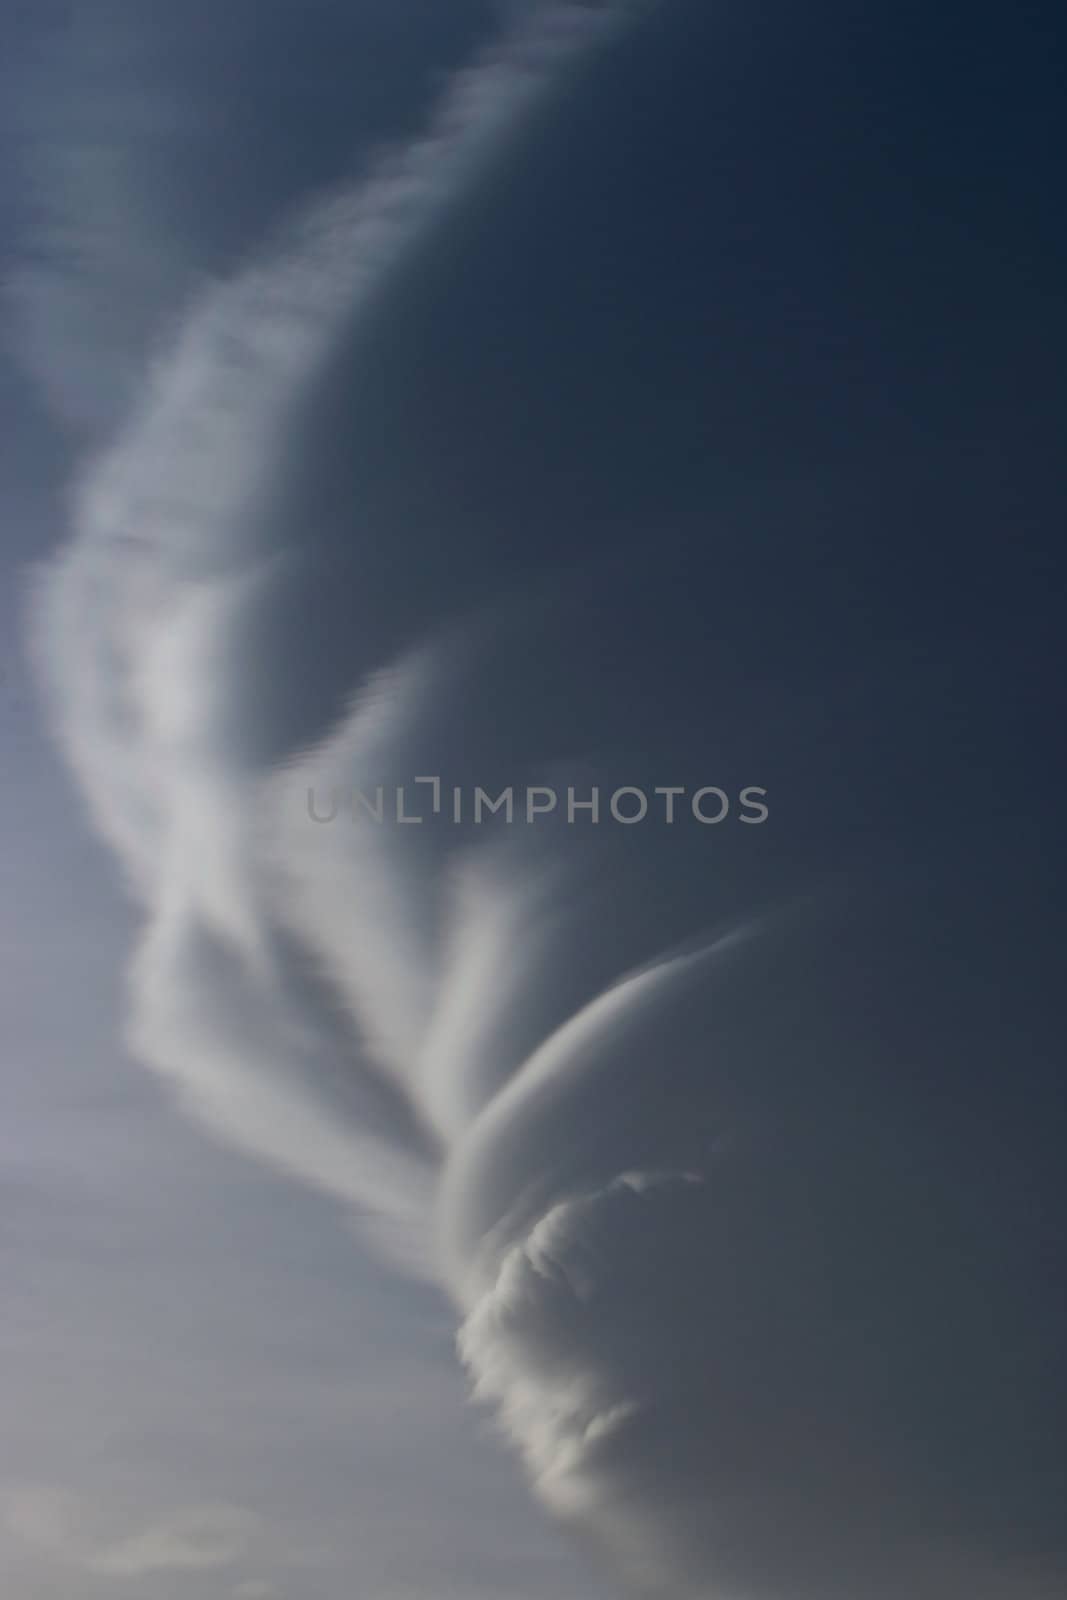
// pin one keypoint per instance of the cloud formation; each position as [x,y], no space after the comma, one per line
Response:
[135,623]
[191,1539]
[669,1147]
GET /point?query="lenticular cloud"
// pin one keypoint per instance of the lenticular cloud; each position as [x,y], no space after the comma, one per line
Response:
[534,1079]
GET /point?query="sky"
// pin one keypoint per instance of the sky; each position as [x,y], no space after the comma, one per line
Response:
[649,411]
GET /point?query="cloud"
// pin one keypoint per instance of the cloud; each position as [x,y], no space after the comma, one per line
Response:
[673,1155]
[72,1531]
[204,1539]
[135,620]
[529,1354]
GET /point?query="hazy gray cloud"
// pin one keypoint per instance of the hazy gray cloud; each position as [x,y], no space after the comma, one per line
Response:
[204,1539]
[65,1528]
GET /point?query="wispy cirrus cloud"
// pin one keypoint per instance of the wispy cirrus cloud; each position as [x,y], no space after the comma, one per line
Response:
[134,619]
